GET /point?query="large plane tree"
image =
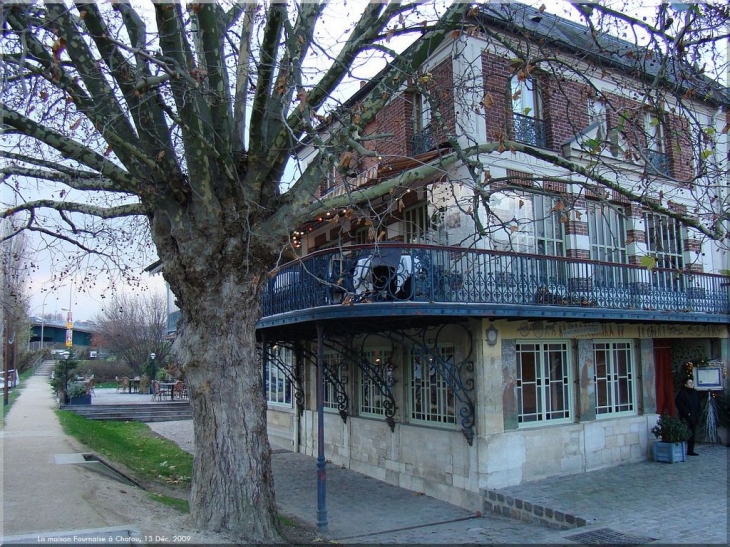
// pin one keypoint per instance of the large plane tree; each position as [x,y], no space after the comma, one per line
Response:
[180,123]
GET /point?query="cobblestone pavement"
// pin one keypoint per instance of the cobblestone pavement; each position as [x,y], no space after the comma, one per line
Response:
[646,502]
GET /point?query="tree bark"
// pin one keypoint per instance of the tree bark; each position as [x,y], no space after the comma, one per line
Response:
[232,484]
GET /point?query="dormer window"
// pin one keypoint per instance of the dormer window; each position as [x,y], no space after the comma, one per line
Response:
[527,121]
[422,135]
[656,157]
[597,117]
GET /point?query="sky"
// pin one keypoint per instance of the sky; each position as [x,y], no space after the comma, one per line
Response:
[50,298]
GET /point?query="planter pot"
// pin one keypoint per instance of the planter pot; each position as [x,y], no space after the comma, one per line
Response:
[84,400]
[670,452]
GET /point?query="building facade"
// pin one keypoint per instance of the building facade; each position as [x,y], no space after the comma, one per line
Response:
[500,318]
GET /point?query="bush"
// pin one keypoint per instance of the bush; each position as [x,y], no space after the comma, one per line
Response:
[671,429]
[77,389]
[58,382]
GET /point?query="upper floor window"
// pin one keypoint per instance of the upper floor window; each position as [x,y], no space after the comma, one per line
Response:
[527,121]
[329,179]
[607,235]
[416,223]
[543,382]
[656,156]
[597,116]
[664,240]
[528,223]
[664,243]
[423,140]
[362,235]
[614,377]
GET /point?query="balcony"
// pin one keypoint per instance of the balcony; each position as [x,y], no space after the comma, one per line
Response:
[422,141]
[529,130]
[658,162]
[367,281]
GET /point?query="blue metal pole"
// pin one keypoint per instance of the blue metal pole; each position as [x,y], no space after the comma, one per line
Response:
[321,463]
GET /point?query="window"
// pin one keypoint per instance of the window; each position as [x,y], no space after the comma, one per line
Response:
[531,223]
[333,364]
[549,225]
[597,115]
[614,377]
[416,223]
[656,157]
[664,240]
[329,180]
[431,398]
[607,234]
[527,121]
[278,385]
[664,243]
[371,397]
[543,382]
[422,134]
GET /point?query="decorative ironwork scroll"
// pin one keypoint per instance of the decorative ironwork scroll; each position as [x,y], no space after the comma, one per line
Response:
[335,374]
[380,375]
[292,373]
[458,376]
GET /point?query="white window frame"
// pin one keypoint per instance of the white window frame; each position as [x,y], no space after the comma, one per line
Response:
[607,237]
[546,385]
[654,131]
[281,393]
[607,355]
[597,115]
[538,227]
[526,97]
[329,399]
[370,400]
[416,223]
[664,239]
[431,400]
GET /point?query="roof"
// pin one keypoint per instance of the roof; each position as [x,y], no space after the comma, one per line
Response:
[605,49]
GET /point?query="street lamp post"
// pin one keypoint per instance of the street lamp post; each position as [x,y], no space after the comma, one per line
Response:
[153,370]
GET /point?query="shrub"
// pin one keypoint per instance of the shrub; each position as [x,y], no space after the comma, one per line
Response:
[671,429]
[77,389]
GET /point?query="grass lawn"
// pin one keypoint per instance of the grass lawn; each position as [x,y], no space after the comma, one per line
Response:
[150,459]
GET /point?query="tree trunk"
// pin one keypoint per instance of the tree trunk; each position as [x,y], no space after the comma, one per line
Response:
[232,484]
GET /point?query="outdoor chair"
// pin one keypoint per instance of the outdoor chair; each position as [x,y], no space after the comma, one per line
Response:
[157,393]
[120,384]
[125,384]
[177,390]
[90,386]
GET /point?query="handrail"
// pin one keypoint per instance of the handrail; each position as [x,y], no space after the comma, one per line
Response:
[438,274]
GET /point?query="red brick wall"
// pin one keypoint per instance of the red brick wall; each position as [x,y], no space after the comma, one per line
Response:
[496,73]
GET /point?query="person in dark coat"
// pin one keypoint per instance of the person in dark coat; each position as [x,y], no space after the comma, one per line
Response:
[688,408]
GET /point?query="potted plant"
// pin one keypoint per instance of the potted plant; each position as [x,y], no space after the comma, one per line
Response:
[673,434]
[78,394]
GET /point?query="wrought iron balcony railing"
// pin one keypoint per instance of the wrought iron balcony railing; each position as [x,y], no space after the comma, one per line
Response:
[422,142]
[433,274]
[659,161]
[529,130]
